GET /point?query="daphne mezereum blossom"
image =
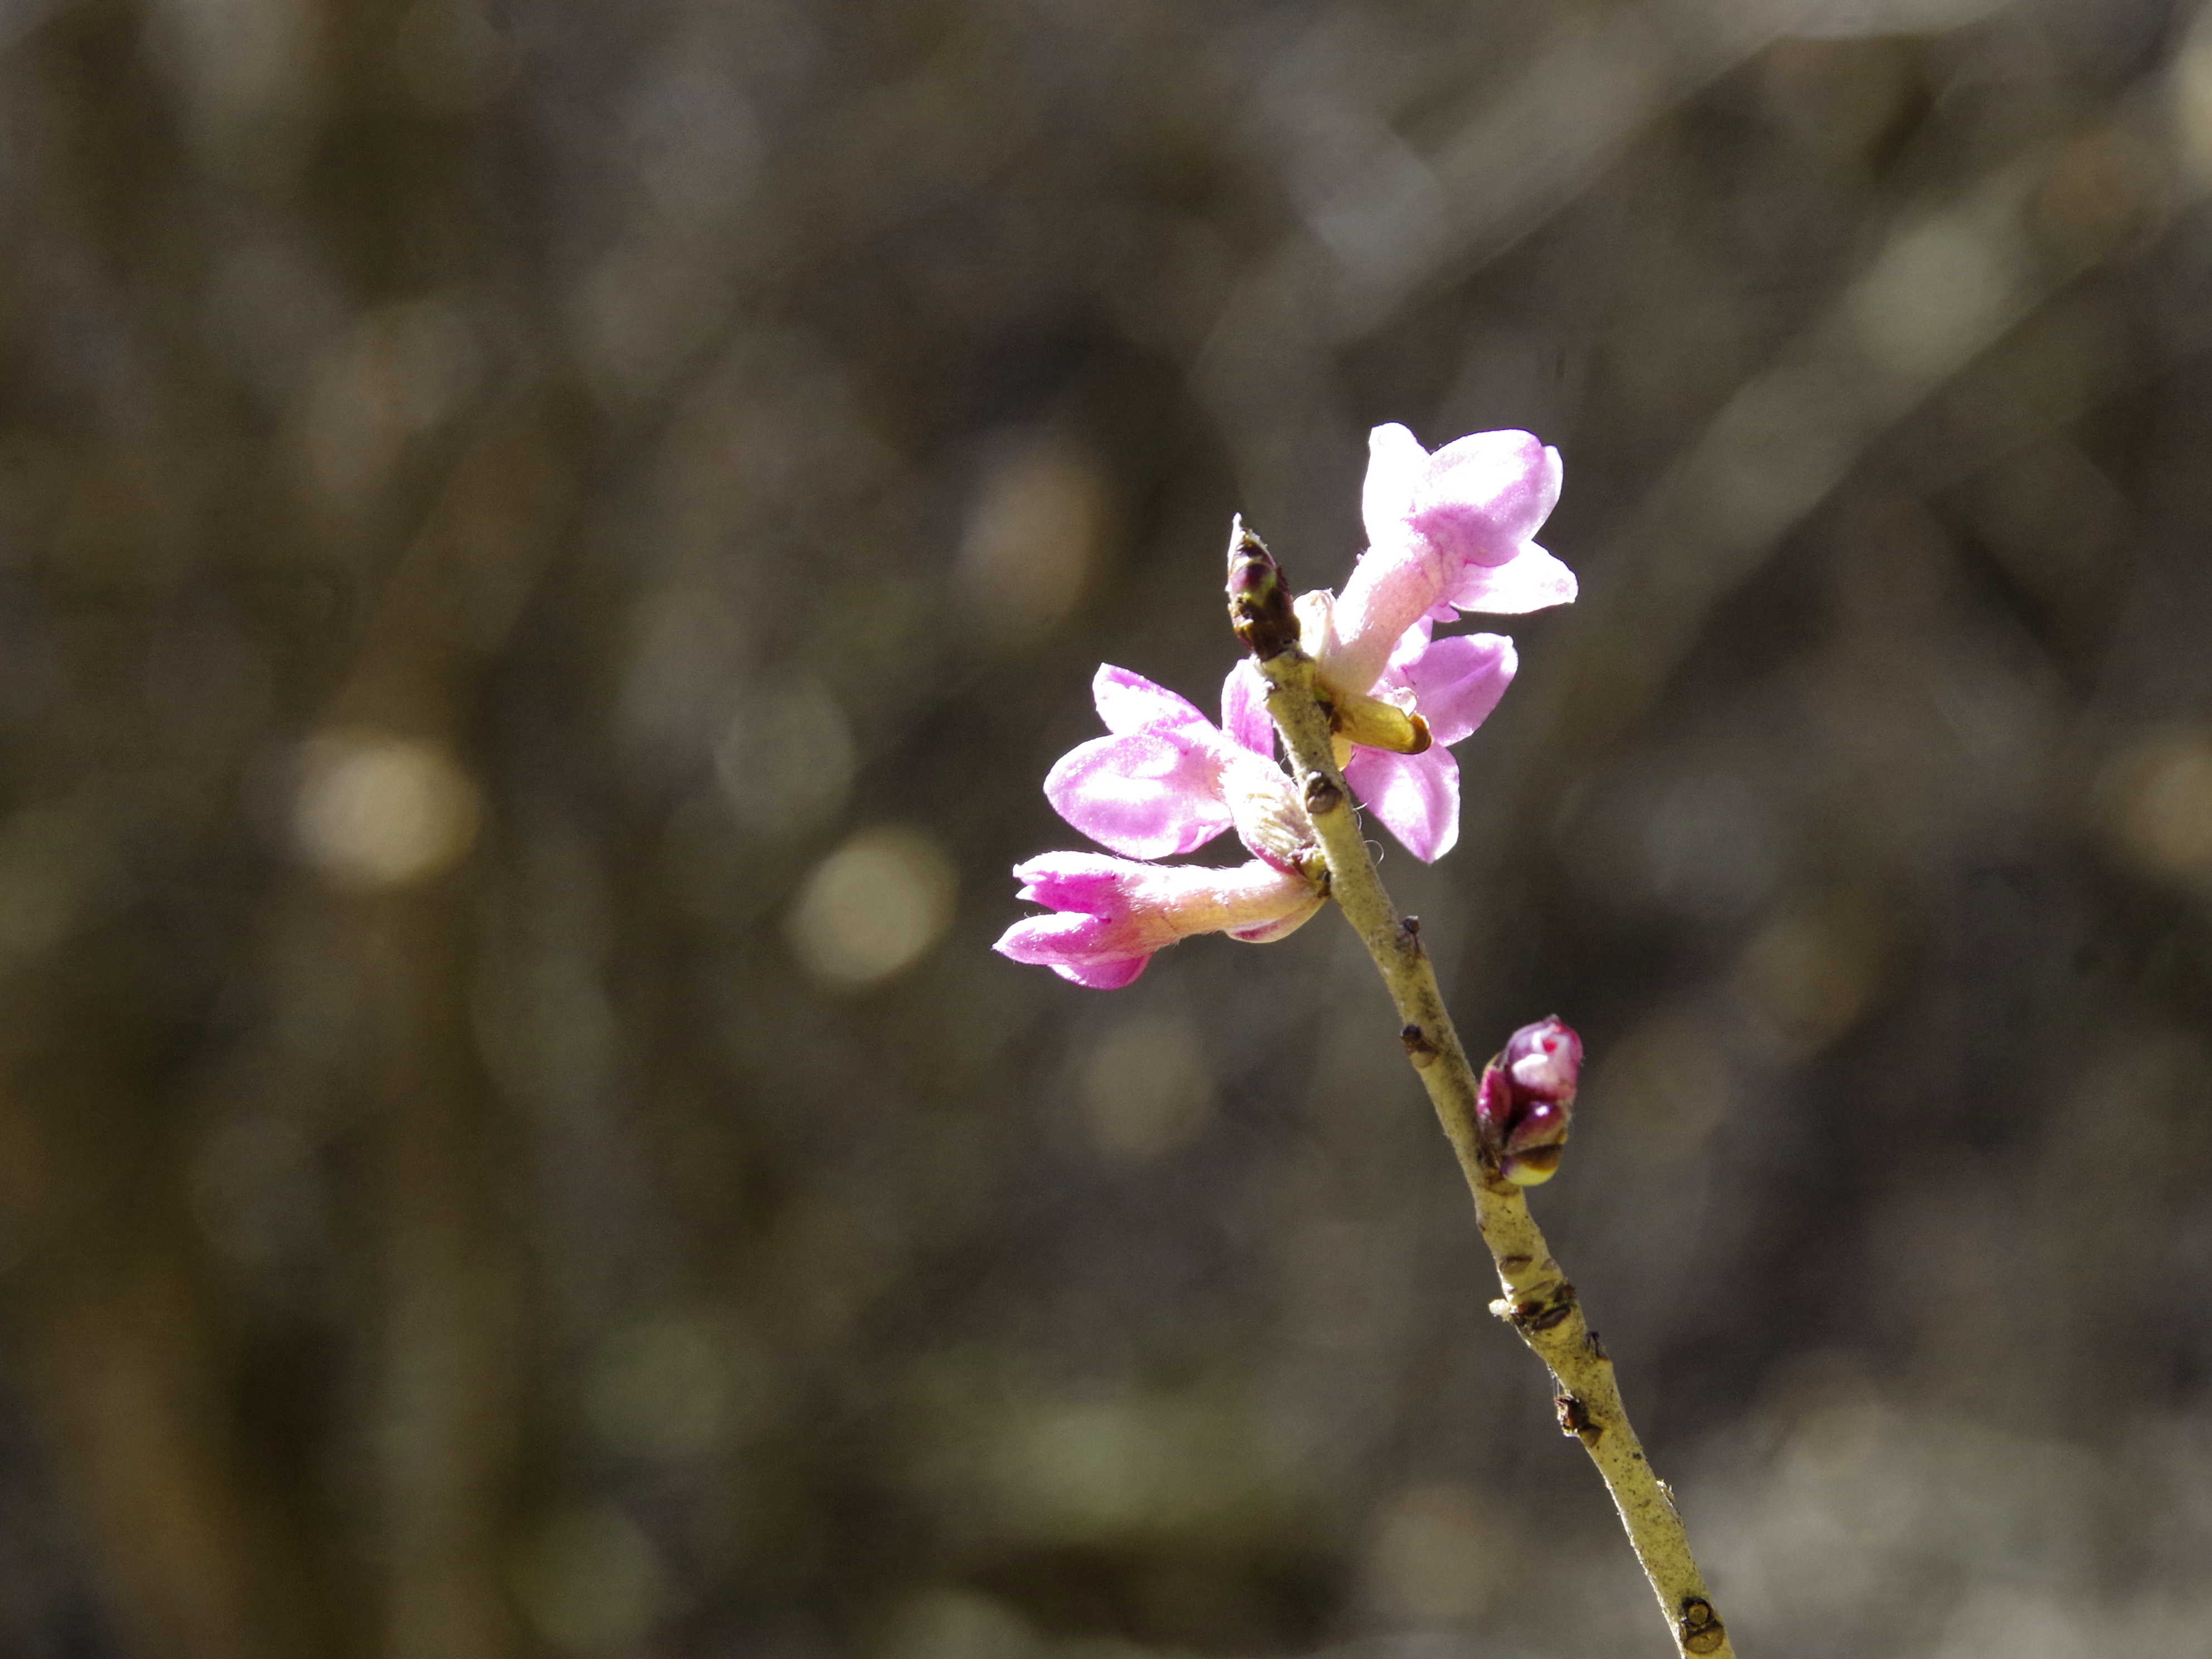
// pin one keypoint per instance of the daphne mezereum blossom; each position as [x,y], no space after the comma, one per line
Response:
[1111,914]
[1446,532]
[1165,781]
[1527,1098]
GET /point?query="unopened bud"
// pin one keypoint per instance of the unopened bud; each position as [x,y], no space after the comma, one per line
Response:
[1527,1097]
[1259,601]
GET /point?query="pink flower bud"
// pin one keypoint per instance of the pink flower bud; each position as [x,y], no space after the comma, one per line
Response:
[1526,1099]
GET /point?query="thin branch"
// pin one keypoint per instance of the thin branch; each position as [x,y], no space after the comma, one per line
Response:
[1538,1301]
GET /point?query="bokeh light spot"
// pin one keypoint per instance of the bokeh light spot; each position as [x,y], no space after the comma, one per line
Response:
[375,810]
[1937,294]
[588,1579]
[1091,1471]
[869,910]
[51,862]
[2191,92]
[1434,1558]
[948,1623]
[1811,973]
[661,1388]
[1670,1077]
[1146,1088]
[1033,537]
[2158,796]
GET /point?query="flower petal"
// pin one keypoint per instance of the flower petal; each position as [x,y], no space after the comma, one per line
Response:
[1109,976]
[1415,796]
[1150,794]
[1532,581]
[1316,614]
[1045,941]
[1484,494]
[1393,586]
[1395,463]
[1130,702]
[1414,641]
[1244,714]
[1071,946]
[1456,682]
[1087,883]
[1269,932]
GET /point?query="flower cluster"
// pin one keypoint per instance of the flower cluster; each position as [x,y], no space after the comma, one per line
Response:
[1165,781]
[1447,532]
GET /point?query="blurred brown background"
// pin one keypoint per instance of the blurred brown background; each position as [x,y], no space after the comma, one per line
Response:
[544,551]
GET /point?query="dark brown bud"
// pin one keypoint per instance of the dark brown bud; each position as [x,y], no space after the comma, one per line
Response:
[1538,1313]
[1699,1629]
[1418,1045]
[1573,1415]
[1259,599]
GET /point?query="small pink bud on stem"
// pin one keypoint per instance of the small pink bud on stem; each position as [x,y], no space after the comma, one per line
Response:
[1525,1099]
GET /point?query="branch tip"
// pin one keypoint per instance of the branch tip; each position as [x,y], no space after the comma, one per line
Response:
[1260,611]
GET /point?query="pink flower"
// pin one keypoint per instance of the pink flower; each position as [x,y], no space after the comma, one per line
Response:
[1111,914]
[1166,781]
[1527,1097]
[1447,529]
[1446,532]
[1453,683]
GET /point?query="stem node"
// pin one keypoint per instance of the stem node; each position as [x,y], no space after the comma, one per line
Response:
[1699,1629]
[1575,1421]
